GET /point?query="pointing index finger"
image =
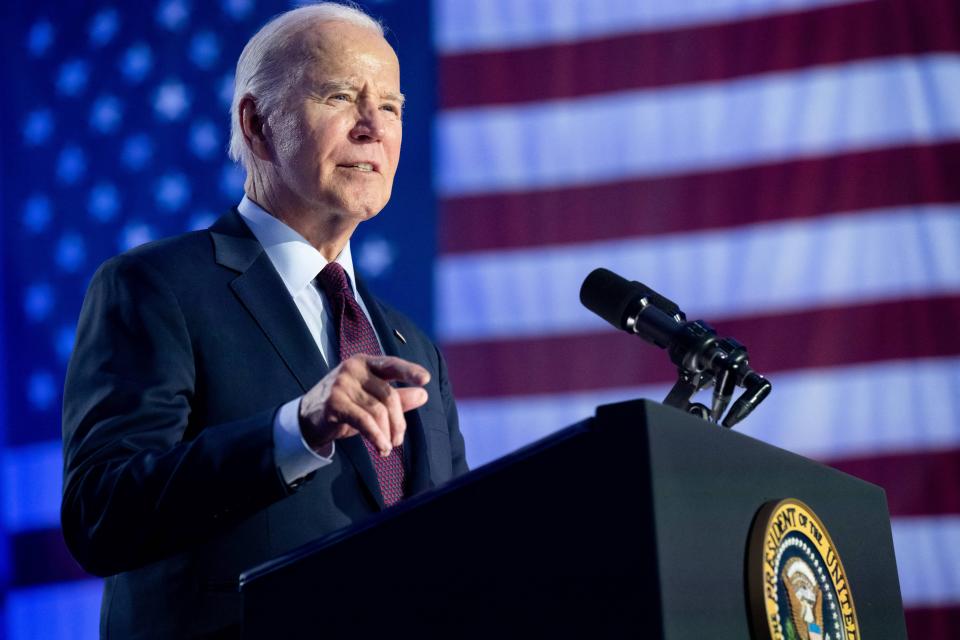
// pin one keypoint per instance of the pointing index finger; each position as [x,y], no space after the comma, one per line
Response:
[396,369]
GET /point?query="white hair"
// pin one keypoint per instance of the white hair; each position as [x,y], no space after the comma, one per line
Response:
[272,62]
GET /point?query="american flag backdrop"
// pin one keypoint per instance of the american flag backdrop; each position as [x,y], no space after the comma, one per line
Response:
[788,170]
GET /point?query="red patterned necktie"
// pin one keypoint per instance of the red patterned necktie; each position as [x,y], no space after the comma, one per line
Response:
[356,336]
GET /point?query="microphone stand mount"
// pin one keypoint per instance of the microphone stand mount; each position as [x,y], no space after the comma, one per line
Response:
[702,358]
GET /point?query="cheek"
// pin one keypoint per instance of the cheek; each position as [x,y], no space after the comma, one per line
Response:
[393,151]
[287,135]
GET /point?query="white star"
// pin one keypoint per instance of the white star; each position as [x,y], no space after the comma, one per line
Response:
[232,177]
[38,127]
[103,27]
[137,151]
[375,256]
[172,191]
[40,37]
[37,212]
[71,164]
[136,62]
[135,234]
[204,139]
[204,49]
[72,77]
[173,14]
[225,91]
[71,251]
[41,390]
[63,342]
[237,9]
[201,220]
[103,201]
[38,301]
[106,114]
[171,100]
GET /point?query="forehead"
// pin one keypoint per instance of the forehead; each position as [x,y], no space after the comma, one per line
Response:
[344,51]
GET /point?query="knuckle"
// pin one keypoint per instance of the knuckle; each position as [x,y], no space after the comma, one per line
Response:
[337,394]
[340,384]
[381,361]
[359,360]
[371,425]
[383,391]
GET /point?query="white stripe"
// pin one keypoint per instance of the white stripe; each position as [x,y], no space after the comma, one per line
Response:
[474,25]
[31,483]
[831,413]
[655,132]
[840,412]
[68,610]
[765,268]
[494,427]
[928,560]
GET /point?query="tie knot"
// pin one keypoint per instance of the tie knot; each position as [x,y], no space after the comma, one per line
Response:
[333,279]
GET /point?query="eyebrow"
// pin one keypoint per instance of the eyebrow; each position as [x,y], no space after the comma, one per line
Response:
[334,86]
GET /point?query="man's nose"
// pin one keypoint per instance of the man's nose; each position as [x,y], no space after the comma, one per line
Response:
[370,125]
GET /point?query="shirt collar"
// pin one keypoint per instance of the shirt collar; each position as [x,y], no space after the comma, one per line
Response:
[295,259]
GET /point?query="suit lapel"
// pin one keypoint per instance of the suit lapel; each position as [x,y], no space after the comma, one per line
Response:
[415,457]
[261,290]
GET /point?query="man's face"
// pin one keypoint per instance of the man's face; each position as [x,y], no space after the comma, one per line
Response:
[337,139]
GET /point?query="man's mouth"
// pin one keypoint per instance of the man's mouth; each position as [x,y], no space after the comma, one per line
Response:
[361,166]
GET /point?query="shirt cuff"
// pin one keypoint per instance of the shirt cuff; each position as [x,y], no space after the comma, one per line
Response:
[292,455]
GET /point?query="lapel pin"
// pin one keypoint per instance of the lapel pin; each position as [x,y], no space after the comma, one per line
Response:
[399,335]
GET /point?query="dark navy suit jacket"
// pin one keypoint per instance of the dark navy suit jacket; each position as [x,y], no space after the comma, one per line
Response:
[185,350]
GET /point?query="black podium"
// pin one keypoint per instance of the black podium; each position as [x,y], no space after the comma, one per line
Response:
[634,523]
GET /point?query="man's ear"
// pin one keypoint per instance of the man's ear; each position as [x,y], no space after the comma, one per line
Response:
[252,124]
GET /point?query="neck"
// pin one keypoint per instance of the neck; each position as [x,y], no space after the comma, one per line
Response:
[326,231]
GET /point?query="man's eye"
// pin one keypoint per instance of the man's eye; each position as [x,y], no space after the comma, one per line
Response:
[340,96]
[391,108]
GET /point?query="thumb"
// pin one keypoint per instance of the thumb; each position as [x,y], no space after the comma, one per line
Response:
[412,397]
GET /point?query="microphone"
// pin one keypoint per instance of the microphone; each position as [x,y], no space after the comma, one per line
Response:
[623,303]
[700,356]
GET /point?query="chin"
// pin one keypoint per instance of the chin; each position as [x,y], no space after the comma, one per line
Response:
[361,212]
[361,205]
[364,209]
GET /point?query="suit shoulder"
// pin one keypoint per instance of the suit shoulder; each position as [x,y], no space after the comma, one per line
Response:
[172,250]
[167,256]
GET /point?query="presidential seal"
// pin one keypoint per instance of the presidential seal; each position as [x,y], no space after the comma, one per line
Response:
[797,586]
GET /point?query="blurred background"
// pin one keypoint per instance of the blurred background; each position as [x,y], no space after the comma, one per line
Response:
[788,170]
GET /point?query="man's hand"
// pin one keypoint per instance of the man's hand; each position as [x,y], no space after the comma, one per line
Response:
[357,397]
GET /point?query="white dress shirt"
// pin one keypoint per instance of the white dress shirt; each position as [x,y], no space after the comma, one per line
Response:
[298,263]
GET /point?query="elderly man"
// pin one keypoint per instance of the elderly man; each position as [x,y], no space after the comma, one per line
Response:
[237,392]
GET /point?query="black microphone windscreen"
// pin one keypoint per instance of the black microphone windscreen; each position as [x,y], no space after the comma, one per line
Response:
[608,295]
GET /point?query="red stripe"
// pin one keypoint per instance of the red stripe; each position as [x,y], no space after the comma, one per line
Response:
[796,189]
[708,53]
[822,337]
[922,483]
[933,623]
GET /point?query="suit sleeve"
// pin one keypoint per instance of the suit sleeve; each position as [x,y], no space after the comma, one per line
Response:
[136,488]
